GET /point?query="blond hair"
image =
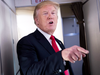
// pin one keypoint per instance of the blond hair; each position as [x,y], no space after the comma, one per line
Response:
[44,3]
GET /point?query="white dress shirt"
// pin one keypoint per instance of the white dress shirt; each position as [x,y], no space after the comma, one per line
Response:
[47,36]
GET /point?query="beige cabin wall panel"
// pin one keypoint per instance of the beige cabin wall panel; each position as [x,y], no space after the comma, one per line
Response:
[92,34]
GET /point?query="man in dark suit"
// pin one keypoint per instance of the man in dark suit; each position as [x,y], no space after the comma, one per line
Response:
[35,52]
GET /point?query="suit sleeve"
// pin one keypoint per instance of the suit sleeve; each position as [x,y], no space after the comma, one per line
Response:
[30,65]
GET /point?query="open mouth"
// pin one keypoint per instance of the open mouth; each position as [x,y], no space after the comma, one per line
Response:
[51,22]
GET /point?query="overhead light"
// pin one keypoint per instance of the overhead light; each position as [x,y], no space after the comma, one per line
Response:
[71,34]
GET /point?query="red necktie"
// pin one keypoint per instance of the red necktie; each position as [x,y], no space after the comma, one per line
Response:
[54,45]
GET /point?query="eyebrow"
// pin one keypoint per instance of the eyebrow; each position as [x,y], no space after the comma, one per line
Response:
[52,11]
[44,11]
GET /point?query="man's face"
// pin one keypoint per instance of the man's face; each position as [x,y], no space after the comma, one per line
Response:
[46,19]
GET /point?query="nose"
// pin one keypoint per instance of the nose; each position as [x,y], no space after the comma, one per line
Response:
[50,16]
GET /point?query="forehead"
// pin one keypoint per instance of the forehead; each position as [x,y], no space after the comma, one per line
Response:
[47,8]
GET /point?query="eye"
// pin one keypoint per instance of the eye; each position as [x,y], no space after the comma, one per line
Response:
[45,13]
[53,13]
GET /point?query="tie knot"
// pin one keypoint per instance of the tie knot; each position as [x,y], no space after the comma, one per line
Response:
[52,37]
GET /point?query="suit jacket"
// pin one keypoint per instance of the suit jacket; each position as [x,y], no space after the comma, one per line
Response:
[37,57]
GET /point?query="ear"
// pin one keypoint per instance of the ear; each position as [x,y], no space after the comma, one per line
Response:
[36,21]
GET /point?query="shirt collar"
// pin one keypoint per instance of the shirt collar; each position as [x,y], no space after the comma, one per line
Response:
[47,36]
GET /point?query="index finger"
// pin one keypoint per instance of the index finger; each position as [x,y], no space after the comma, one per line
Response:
[82,50]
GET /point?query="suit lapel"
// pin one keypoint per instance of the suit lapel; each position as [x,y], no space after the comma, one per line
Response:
[44,42]
[60,44]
